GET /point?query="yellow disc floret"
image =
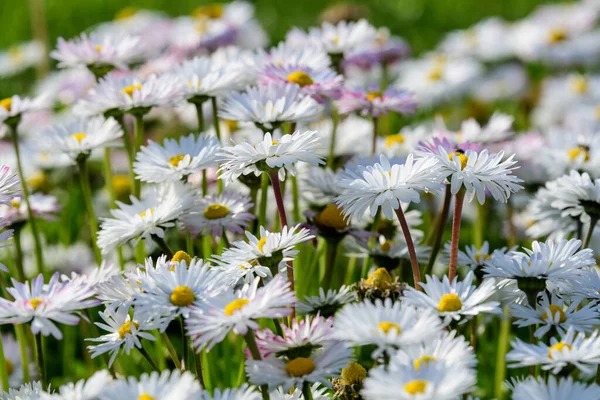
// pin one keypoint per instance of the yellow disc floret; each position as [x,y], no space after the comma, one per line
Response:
[145,396]
[387,326]
[354,373]
[174,161]
[422,361]
[560,346]
[6,103]
[449,302]
[578,152]
[128,90]
[35,303]
[216,211]
[182,296]
[557,35]
[462,158]
[234,306]
[374,95]
[554,310]
[380,279]
[416,387]
[579,84]
[79,136]
[125,329]
[211,11]
[332,217]
[391,140]
[299,366]
[182,256]
[261,244]
[300,78]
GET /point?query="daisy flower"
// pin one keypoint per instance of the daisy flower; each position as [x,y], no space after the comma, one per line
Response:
[475,257]
[42,305]
[262,256]
[79,137]
[244,392]
[318,392]
[577,196]
[385,185]
[575,349]
[320,186]
[245,158]
[238,311]
[12,108]
[119,291]
[485,40]
[175,159]
[28,391]
[126,332]
[388,253]
[319,84]
[19,57]
[42,207]
[400,381]
[166,385]
[555,315]
[386,325]
[9,185]
[114,95]
[84,389]
[326,304]
[534,388]
[158,209]
[456,300]
[270,105]
[478,173]
[587,285]
[285,53]
[216,214]
[173,289]
[376,103]
[98,53]
[286,371]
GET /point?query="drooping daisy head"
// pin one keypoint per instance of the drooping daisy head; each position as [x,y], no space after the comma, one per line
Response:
[327,303]
[176,159]
[216,214]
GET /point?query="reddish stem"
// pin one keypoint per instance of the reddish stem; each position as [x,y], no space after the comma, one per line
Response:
[458,206]
[411,248]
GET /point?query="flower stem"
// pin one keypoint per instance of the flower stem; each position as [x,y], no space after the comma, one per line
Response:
[440,227]
[334,126]
[512,231]
[22,339]
[160,242]
[375,129]
[110,189]
[215,114]
[138,141]
[532,341]
[19,254]
[84,177]
[129,147]
[411,248]
[252,346]
[306,393]
[148,358]
[39,258]
[185,346]
[200,117]
[330,257]
[3,369]
[500,355]
[198,362]
[39,349]
[458,206]
[171,350]
[588,236]
[262,212]
[295,199]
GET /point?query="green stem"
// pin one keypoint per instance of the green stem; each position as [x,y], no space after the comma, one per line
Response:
[19,254]
[3,369]
[215,114]
[479,225]
[39,258]
[138,141]
[590,232]
[532,341]
[129,147]
[22,339]
[374,228]
[200,117]
[39,349]
[162,245]
[411,248]
[189,245]
[330,257]
[262,212]
[458,205]
[185,346]
[334,126]
[374,140]
[171,350]
[306,393]
[225,239]
[84,177]
[440,227]
[198,362]
[503,340]
[295,199]
[252,346]
[148,358]
[512,231]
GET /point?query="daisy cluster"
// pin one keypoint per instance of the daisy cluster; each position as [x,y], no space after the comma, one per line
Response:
[198,215]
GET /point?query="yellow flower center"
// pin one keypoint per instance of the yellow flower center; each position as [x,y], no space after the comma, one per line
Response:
[216,211]
[232,125]
[182,296]
[299,366]
[261,244]
[579,84]
[480,258]
[332,217]
[557,35]
[423,360]
[121,185]
[38,180]
[145,396]
[374,95]
[387,326]
[125,329]
[79,136]
[15,203]
[212,11]
[560,346]
[415,387]
[386,246]
[579,151]
[554,309]
[126,13]
[234,306]
[353,374]
[128,90]
[380,279]
[6,103]
[300,78]
[15,54]
[436,73]
[174,161]
[394,139]
[98,48]
[35,303]
[449,302]
[462,158]
[9,367]
[182,256]
[147,212]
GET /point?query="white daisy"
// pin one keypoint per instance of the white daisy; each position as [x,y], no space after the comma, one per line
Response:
[166,385]
[12,108]
[244,392]
[80,137]
[84,389]
[238,311]
[319,83]
[126,332]
[473,257]
[269,154]
[268,106]
[286,53]
[42,305]
[555,315]
[574,349]
[485,40]
[158,209]
[326,304]
[216,214]
[334,39]
[119,290]
[577,196]
[28,391]
[320,186]
[9,184]
[19,57]
[42,206]
[175,159]
[535,388]
[387,325]
[318,392]
[385,185]
[456,300]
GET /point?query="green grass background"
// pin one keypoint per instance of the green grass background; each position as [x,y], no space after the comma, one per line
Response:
[421,22]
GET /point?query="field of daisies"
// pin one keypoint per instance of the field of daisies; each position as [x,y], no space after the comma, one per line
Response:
[189,211]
